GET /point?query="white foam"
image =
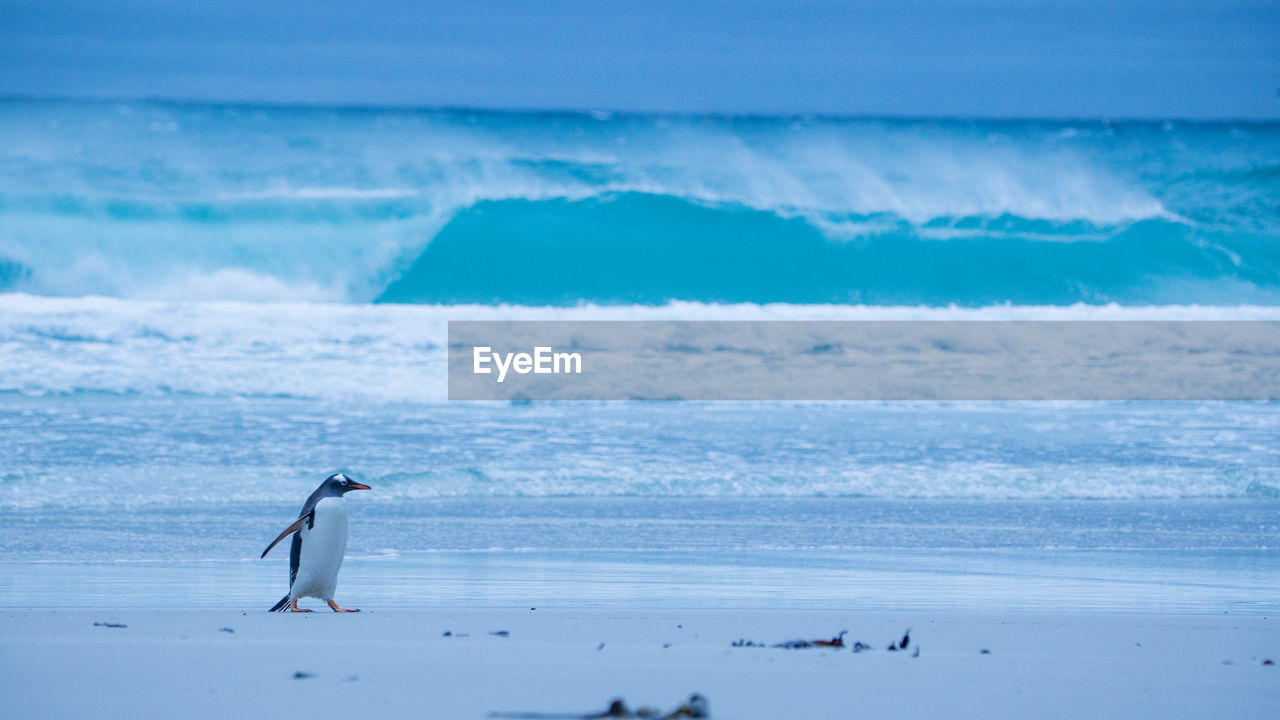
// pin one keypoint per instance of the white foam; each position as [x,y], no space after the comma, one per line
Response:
[322,193]
[367,352]
[243,285]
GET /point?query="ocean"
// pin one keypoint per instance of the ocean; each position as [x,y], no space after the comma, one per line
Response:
[206,309]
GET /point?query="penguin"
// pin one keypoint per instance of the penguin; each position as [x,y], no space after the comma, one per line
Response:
[319,543]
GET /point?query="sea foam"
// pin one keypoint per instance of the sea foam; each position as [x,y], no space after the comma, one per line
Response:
[373,353]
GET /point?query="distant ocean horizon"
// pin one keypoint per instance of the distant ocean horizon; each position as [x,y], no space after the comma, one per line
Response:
[609,110]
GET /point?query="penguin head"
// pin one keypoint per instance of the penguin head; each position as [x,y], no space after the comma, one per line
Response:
[339,484]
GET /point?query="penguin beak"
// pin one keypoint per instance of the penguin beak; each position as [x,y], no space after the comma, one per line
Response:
[358,486]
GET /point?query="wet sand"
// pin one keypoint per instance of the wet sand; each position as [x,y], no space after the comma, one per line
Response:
[400,663]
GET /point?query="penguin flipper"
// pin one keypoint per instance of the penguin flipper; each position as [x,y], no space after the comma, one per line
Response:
[295,527]
[295,554]
[295,559]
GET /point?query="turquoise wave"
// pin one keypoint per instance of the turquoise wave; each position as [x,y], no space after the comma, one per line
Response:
[637,248]
[192,201]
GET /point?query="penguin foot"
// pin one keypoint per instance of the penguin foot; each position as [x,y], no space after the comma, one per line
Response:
[338,608]
[293,607]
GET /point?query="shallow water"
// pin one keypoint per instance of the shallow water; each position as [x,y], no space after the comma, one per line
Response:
[90,451]
[1139,555]
[157,500]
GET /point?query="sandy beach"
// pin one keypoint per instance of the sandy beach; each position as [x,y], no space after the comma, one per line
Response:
[233,663]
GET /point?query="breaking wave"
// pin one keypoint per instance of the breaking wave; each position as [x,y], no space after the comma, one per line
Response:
[190,202]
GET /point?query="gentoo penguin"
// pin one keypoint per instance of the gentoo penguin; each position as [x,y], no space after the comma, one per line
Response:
[319,542]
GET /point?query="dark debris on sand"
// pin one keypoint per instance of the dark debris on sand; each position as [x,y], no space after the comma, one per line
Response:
[835,642]
[901,644]
[794,644]
[695,707]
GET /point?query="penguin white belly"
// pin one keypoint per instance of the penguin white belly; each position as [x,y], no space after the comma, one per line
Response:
[323,546]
